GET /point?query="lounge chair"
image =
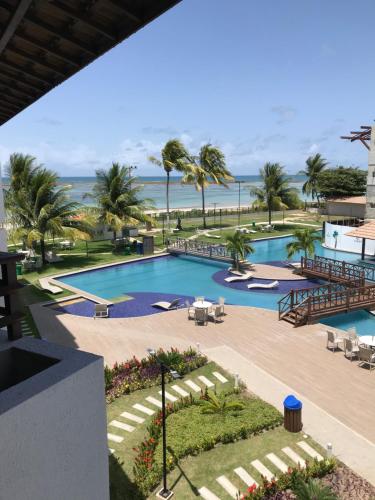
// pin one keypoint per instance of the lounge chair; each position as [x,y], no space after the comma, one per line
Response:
[350,349]
[333,340]
[167,306]
[209,235]
[215,314]
[190,310]
[366,356]
[46,285]
[101,311]
[200,316]
[274,284]
[293,265]
[241,277]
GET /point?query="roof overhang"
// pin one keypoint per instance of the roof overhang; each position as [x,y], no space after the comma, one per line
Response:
[44,42]
[366,231]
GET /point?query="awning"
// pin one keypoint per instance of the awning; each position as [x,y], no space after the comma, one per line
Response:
[366,231]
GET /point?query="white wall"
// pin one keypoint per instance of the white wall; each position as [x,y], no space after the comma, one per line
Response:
[348,243]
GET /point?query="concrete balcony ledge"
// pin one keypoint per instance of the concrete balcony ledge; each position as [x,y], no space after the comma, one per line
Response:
[52,422]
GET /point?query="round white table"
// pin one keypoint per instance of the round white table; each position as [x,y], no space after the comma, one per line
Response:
[202,304]
[367,340]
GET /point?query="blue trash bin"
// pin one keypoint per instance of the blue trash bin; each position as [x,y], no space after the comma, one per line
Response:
[292,414]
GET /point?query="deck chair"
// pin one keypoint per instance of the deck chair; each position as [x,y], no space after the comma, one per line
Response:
[215,314]
[200,316]
[274,284]
[190,310]
[366,356]
[167,306]
[333,340]
[350,349]
[101,311]
[242,277]
[221,303]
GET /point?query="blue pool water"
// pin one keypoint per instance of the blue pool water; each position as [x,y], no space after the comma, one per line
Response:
[190,276]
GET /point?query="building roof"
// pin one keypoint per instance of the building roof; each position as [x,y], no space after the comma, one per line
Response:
[366,231]
[355,200]
[42,43]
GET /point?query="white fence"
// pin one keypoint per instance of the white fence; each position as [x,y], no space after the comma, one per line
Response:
[335,238]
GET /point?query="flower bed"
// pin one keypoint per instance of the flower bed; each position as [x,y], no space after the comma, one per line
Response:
[190,432]
[135,374]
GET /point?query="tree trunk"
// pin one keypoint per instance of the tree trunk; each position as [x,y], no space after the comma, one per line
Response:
[168,221]
[43,250]
[114,236]
[203,209]
[269,215]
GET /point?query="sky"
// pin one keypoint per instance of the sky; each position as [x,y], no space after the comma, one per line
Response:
[264,81]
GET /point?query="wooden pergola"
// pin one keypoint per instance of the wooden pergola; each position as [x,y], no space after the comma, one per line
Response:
[44,42]
[363,135]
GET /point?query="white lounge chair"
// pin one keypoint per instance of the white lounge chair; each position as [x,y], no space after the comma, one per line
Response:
[101,311]
[46,285]
[167,306]
[209,235]
[274,284]
[350,349]
[294,265]
[241,277]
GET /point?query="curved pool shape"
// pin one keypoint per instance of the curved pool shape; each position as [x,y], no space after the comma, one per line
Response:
[191,276]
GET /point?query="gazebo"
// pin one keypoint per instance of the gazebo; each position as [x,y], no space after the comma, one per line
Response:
[365,232]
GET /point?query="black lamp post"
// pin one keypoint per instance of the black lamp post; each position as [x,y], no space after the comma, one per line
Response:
[164,492]
[163,230]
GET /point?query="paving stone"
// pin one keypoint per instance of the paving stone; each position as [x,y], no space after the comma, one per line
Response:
[115,438]
[180,391]
[154,401]
[294,456]
[220,377]
[122,426]
[309,450]
[132,417]
[262,469]
[169,396]
[207,494]
[143,409]
[192,385]
[205,380]
[228,486]
[277,462]
[245,476]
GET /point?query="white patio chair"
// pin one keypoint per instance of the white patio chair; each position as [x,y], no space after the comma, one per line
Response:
[350,349]
[366,356]
[333,340]
[200,316]
[190,310]
[215,314]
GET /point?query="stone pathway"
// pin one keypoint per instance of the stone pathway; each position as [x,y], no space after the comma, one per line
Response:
[205,381]
[180,391]
[192,385]
[132,417]
[154,401]
[258,466]
[143,409]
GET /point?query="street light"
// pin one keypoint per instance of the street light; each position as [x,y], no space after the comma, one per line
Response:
[164,492]
[214,204]
[239,200]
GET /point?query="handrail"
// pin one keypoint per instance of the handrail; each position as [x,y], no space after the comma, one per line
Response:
[338,266]
[199,247]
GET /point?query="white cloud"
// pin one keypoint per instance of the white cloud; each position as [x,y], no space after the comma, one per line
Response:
[284,113]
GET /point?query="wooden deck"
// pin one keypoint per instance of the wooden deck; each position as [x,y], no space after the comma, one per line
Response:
[297,357]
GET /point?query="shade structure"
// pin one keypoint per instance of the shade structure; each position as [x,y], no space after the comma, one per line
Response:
[366,231]
[44,42]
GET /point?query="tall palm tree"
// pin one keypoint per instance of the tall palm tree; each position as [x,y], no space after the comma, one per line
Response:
[117,198]
[239,246]
[38,207]
[304,241]
[173,156]
[208,166]
[314,165]
[275,190]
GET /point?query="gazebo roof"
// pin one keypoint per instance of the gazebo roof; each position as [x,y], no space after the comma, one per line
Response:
[42,43]
[366,231]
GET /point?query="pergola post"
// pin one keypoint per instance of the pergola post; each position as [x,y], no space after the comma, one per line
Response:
[363,248]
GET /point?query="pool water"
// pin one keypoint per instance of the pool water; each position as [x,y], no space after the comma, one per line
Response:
[191,276]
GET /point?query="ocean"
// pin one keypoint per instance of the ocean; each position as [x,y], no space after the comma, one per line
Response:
[181,195]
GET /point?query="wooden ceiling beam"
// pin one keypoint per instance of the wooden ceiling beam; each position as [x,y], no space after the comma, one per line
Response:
[9,81]
[82,18]
[14,67]
[5,116]
[16,17]
[8,96]
[49,50]
[11,107]
[130,15]
[36,60]
[62,34]
[19,79]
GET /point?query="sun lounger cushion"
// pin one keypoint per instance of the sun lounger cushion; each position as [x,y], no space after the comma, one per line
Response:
[274,284]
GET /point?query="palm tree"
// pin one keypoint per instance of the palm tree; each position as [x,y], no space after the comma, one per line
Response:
[219,405]
[208,166]
[37,207]
[117,198]
[314,165]
[304,241]
[313,490]
[239,246]
[275,190]
[173,156]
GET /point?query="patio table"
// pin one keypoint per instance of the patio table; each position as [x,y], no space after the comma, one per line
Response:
[368,340]
[202,304]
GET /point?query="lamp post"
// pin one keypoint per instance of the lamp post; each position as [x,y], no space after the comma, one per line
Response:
[163,230]
[239,200]
[164,492]
[214,204]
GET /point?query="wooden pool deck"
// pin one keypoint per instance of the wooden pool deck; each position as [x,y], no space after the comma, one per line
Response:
[296,356]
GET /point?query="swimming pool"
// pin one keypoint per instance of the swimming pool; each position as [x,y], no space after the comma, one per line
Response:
[191,276]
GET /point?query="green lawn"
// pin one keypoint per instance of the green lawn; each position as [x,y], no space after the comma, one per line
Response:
[194,472]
